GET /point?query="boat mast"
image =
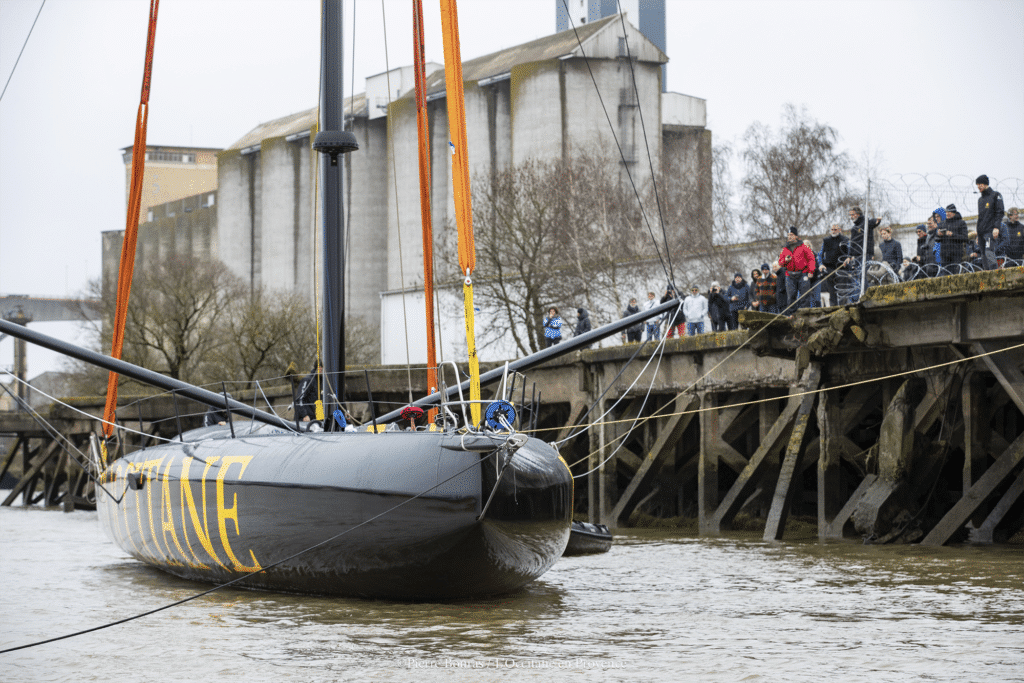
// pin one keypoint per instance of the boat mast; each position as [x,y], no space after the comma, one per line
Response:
[332,141]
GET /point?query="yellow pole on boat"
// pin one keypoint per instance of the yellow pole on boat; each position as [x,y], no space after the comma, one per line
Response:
[460,186]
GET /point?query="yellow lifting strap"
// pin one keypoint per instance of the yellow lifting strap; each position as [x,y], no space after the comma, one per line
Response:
[460,186]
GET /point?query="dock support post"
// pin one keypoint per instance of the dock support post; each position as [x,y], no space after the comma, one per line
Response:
[765,459]
[659,453]
[785,489]
[707,467]
[830,455]
[965,507]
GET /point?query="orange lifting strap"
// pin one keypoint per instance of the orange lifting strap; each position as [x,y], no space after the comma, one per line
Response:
[457,130]
[419,60]
[131,229]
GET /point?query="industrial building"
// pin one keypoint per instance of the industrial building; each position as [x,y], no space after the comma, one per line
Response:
[534,101]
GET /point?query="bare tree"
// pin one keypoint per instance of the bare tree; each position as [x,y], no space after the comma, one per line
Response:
[795,176]
[267,332]
[557,233]
[194,321]
[177,315]
[176,321]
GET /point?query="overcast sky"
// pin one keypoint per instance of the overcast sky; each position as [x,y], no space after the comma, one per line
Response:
[924,87]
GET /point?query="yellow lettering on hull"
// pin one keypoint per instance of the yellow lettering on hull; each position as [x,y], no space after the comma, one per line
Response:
[188,502]
[163,544]
[167,517]
[224,514]
[148,469]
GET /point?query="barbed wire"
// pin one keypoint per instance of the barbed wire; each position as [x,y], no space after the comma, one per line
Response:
[911,197]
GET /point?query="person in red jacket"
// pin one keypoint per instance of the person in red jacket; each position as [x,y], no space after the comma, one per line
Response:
[798,260]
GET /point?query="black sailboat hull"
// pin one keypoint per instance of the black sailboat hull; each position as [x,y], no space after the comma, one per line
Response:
[391,515]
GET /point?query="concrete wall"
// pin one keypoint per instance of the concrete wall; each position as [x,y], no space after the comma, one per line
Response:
[235,211]
[166,180]
[367,201]
[182,228]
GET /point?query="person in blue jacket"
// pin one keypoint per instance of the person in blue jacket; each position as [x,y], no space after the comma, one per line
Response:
[552,328]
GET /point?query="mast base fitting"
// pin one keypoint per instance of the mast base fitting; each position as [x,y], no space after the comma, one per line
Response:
[335,142]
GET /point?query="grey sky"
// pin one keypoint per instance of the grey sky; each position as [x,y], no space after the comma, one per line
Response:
[925,86]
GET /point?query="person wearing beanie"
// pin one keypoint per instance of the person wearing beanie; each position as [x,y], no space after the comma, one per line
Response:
[990,215]
[739,299]
[833,248]
[1013,232]
[952,237]
[925,253]
[764,290]
[798,260]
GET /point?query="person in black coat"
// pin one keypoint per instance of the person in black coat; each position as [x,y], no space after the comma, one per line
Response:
[833,249]
[216,416]
[308,393]
[855,245]
[634,332]
[1013,233]
[952,237]
[582,324]
[925,247]
[718,308]
[781,295]
[892,250]
[990,216]
[739,299]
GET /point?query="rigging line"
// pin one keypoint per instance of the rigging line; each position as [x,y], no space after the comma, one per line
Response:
[647,145]
[618,146]
[60,439]
[749,339]
[660,347]
[622,442]
[85,414]
[270,406]
[246,576]
[23,46]
[398,220]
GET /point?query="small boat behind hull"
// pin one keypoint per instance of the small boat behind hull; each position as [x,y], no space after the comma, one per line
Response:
[588,539]
[391,515]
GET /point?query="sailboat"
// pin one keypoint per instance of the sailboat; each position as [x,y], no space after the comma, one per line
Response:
[422,513]
[463,508]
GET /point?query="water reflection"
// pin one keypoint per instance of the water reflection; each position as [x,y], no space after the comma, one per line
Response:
[657,607]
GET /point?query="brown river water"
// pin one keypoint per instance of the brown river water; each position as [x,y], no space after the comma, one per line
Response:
[657,607]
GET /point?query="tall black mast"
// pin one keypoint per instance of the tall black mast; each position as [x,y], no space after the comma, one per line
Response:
[332,141]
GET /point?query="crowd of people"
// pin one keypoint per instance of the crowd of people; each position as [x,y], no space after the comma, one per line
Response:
[799,276]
